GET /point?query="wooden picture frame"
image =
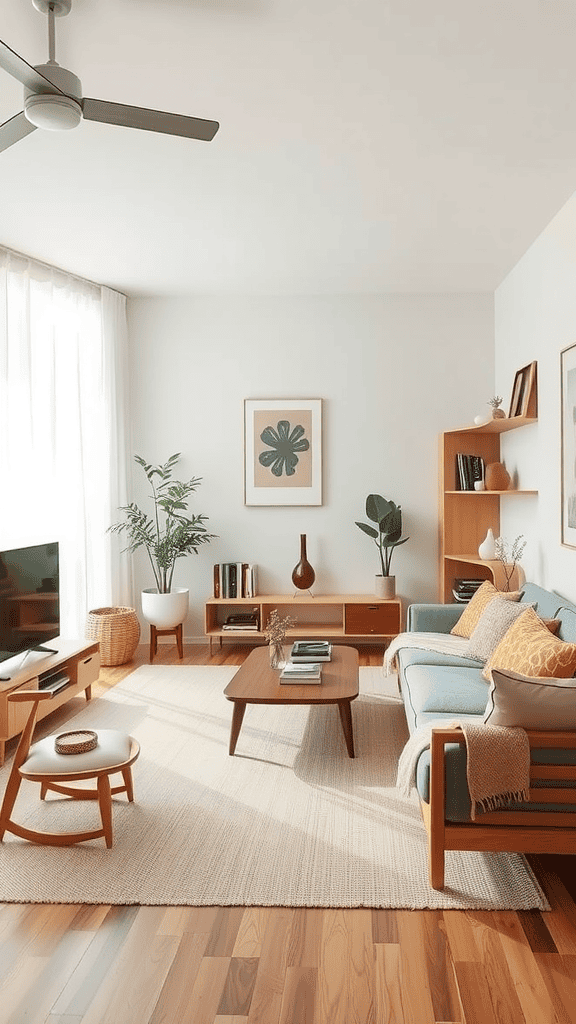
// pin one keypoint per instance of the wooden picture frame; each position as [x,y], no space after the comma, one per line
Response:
[523,399]
[283,451]
[568,445]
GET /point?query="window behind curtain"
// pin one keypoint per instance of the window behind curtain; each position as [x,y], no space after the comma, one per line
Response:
[62,445]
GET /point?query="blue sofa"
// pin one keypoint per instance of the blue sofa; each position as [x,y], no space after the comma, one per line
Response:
[440,686]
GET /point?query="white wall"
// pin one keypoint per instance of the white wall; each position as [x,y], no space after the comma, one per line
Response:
[535,317]
[393,372]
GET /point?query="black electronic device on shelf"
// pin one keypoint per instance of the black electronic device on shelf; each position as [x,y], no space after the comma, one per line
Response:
[29,599]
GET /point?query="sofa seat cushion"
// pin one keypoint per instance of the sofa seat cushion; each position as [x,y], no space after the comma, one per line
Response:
[457,798]
[408,656]
[443,690]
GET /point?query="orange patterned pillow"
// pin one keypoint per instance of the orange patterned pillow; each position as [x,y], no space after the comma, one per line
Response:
[530,649]
[471,615]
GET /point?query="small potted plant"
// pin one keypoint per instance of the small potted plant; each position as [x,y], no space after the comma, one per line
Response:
[168,535]
[387,535]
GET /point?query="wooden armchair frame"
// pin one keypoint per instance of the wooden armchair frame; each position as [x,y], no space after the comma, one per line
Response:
[513,831]
[57,781]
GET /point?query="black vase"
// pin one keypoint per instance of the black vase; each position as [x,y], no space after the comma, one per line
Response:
[303,575]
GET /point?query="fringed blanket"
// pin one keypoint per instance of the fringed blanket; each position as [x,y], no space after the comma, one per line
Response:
[498,762]
[442,643]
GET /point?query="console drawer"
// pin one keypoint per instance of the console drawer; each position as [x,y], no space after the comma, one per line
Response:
[88,670]
[382,618]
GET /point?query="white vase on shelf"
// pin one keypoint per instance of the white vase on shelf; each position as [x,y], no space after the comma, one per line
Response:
[487,549]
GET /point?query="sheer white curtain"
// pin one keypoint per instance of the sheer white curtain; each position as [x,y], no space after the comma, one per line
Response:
[63,428]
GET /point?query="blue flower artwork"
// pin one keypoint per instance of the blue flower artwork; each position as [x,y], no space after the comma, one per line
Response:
[284,443]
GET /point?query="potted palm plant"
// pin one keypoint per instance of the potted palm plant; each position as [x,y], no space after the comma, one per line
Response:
[387,535]
[170,533]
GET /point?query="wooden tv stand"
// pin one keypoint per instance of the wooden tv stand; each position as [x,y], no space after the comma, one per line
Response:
[80,661]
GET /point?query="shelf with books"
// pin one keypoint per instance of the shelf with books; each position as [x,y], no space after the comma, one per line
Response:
[337,617]
[467,514]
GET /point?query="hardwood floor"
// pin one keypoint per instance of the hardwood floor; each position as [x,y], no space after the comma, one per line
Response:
[211,965]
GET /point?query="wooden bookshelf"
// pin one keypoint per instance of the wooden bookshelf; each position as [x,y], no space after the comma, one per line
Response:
[336,617]
[466,516]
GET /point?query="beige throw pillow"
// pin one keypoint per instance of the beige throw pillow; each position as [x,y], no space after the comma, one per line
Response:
[527,702]
[493,624]
[471,615]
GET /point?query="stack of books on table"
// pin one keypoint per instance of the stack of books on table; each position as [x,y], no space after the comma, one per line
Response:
[295,672]
[304,651]
[240,621]
[464,589]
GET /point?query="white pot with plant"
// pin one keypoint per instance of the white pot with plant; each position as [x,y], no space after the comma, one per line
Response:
[167,535]
[387,535]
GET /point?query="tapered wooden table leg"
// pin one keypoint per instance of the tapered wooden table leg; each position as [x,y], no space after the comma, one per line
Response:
[237,716]
[345,710]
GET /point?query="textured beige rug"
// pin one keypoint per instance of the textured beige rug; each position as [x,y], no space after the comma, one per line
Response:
[291,820]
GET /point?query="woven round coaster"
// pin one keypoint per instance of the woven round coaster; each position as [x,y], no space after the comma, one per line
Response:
[77,742]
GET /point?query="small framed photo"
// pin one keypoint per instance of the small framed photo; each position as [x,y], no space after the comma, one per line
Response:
[283,451]
[568,444]
[522,402]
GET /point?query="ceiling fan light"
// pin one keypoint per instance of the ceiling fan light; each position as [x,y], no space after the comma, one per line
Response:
[54,112]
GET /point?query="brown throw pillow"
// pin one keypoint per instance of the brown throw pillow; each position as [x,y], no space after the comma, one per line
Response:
[530,649]
[471,615]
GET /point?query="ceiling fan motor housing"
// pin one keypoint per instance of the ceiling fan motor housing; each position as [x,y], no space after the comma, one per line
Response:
[55,111]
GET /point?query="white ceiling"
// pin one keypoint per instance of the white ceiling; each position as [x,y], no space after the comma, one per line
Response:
[364,147]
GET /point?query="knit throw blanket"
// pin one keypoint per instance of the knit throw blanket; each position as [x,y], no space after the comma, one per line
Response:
[442,643]
[498,762]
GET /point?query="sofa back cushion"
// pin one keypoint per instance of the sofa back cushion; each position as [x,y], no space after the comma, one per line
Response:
[531,703]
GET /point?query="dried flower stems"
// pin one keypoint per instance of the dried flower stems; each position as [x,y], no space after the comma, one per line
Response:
[509,559]
[276,628]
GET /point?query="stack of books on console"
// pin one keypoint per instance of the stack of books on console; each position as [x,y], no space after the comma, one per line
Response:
[464,589]
[241,621]
[310,650]
[299,672]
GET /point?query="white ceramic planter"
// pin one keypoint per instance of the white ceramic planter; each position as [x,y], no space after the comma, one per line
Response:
[165,610]
[385,587]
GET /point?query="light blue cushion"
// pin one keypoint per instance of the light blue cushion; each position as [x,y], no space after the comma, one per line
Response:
[447,690]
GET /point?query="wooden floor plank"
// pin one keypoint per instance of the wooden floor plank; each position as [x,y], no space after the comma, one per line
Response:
[250,932]
[173,999]
[130,990]
[224,931]
[299,996]
[474,993]
[500,984]
[98,961]
[388,988]
[532,993]
[269,986]
[417,995]
[204,995]
[239,986]
[559,976]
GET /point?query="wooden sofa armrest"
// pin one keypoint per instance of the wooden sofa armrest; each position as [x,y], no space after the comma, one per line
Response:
[441,833]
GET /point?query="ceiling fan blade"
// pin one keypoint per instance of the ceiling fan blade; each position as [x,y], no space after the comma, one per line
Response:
[24,72]
[18,127]
[149,120]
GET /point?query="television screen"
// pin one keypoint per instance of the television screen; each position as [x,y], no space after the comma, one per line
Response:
[29,598]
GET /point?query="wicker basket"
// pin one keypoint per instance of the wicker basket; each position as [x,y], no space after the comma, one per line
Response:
[117,630]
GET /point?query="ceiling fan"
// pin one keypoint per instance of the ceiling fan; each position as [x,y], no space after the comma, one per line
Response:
[53,97]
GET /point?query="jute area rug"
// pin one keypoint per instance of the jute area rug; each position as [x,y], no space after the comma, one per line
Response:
[290,820]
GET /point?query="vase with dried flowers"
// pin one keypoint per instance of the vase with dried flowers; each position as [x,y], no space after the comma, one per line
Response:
[509,557]
[275,633]
[497,412]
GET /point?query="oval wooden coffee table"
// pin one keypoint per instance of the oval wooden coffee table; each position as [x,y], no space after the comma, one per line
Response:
[257,683]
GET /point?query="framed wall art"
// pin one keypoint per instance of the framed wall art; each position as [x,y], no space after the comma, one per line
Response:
[523,400]
[283,451]
[568,446]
